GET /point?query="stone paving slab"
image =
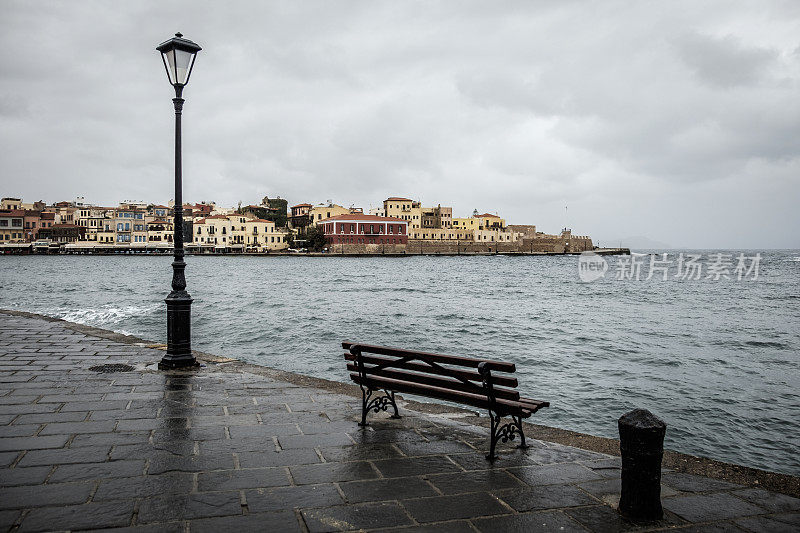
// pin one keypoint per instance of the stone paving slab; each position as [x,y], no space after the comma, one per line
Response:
[226,447]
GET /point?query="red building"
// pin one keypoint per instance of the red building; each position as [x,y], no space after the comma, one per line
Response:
[356,228]
[301,216]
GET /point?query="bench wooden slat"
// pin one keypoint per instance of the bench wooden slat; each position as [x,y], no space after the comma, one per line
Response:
[502,405]
[500,380]
[494,366]
[445,383]
[533,405]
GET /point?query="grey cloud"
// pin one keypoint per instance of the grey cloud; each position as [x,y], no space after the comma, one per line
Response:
[724,61]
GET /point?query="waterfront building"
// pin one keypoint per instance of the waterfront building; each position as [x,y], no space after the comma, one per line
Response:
[133,205]
[489,221]
[480,222]
[12,223]
[130,225]
[160,212]
[436,217]
[160,231]
[222,211]
[300,217]
[63,233]
[9,204]
[238,233]
[404,209]
[64,212]
[32,222]
[33,206]
[94,219]
[328,210]
[352,228]
[107,235]
[202,209]
[212,231]
[262,235]
[418,217]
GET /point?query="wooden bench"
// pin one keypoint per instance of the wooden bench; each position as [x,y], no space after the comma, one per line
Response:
[479,383]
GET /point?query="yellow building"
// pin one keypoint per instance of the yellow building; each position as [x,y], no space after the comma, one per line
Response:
[465,224]
[323,211]
[8,204]
[238,231]
[94,219]
[480,222]
[262,235]
[404,209]
[484,228]
[489,221]
[160,232]
[214,231]
[107,234]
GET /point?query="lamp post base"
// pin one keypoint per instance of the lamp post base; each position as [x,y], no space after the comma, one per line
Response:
[179,344]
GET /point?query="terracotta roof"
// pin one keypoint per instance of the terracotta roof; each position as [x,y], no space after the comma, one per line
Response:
[302,205]
[48,216]
[398,199]
[218,216]
[13,213]
[164,207]
[257,220]
[364,218]
[201,221]
[487,215]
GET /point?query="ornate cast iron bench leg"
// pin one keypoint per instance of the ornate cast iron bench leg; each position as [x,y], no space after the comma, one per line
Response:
[377,404]
[504,432]
[380,403]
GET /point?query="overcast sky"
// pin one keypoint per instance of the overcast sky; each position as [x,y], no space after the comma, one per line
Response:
[679,121]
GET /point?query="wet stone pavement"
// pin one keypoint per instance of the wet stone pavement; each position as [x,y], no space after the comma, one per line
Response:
[223,449]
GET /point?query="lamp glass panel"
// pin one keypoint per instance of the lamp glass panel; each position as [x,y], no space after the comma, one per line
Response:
[183,66]
[169,61]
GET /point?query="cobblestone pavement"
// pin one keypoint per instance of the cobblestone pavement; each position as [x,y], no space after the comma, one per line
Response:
[220,450]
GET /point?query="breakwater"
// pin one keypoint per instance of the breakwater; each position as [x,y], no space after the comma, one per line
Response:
[349,250]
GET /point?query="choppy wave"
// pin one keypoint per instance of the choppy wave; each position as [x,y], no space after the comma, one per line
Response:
[106,316]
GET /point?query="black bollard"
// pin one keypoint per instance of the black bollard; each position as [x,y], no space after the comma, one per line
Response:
[641,443]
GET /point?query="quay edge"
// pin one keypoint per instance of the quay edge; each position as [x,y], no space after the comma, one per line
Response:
[28,250]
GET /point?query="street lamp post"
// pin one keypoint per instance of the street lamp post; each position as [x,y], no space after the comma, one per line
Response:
[178,55]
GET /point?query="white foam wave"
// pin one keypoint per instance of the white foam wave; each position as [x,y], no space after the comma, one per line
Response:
[106,315]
